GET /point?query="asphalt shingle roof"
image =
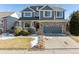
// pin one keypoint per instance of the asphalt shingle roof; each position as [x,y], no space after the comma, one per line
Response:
[57,8]
[46,8]
[27,9]
[35,7]
[41,7]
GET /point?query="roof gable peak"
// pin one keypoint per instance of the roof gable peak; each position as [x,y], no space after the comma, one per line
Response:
[28,9]
[46,7]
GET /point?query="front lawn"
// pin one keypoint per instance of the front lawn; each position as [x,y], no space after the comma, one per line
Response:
[16,43]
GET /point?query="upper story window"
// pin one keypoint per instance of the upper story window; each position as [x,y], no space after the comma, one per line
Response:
[27,14]
[47,14]
[59,14]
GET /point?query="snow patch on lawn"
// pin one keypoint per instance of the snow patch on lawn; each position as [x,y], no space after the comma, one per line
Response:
[6,38]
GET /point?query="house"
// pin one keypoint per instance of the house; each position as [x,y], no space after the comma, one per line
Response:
[2,21]
[45,19]
[7,21]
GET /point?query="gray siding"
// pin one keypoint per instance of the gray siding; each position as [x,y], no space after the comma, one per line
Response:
[28,18]
[53,16]
[41,16]
[10,22]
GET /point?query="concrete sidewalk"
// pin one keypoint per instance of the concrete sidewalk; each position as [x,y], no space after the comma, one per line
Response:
[50,51]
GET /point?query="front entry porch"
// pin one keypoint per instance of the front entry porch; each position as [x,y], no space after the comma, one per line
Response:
[26,25]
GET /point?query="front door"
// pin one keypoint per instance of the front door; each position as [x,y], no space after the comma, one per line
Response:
[36,25]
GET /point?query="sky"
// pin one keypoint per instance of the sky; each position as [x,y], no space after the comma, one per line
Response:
[69,8]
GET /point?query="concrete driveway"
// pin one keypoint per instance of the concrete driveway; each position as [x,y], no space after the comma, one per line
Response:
[60,42]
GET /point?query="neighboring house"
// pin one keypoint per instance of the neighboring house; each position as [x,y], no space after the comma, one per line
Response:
[3,14]
[47,20]
[7,21]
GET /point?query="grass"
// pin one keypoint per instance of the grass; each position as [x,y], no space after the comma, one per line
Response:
[16,43]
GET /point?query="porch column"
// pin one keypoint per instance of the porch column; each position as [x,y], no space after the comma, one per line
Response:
[24,25]
[20,24]
[31,24]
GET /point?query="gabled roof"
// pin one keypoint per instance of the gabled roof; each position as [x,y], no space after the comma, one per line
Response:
[41,8]
[58,8]
[46,7]
[28,9]
[35,7]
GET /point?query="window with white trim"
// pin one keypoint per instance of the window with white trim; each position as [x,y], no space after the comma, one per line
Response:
[27,14]
[59,14]
[47,14]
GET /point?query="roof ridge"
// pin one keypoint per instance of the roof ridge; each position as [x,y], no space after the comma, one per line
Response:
[31,9]
[43,7]
[36,5]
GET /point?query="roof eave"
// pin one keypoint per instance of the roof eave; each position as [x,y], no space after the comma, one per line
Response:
[30,9]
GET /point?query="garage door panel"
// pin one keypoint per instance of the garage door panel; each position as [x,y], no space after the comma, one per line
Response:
[52,29]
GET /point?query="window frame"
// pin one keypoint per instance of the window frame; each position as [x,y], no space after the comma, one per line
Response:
[27,12]
[47,16]
[59,16]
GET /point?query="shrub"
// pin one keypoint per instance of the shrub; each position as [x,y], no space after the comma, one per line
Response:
[74,23]
[31,30]
[24,33]
[17,30]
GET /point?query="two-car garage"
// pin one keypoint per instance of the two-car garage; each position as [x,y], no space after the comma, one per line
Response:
[54,28]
